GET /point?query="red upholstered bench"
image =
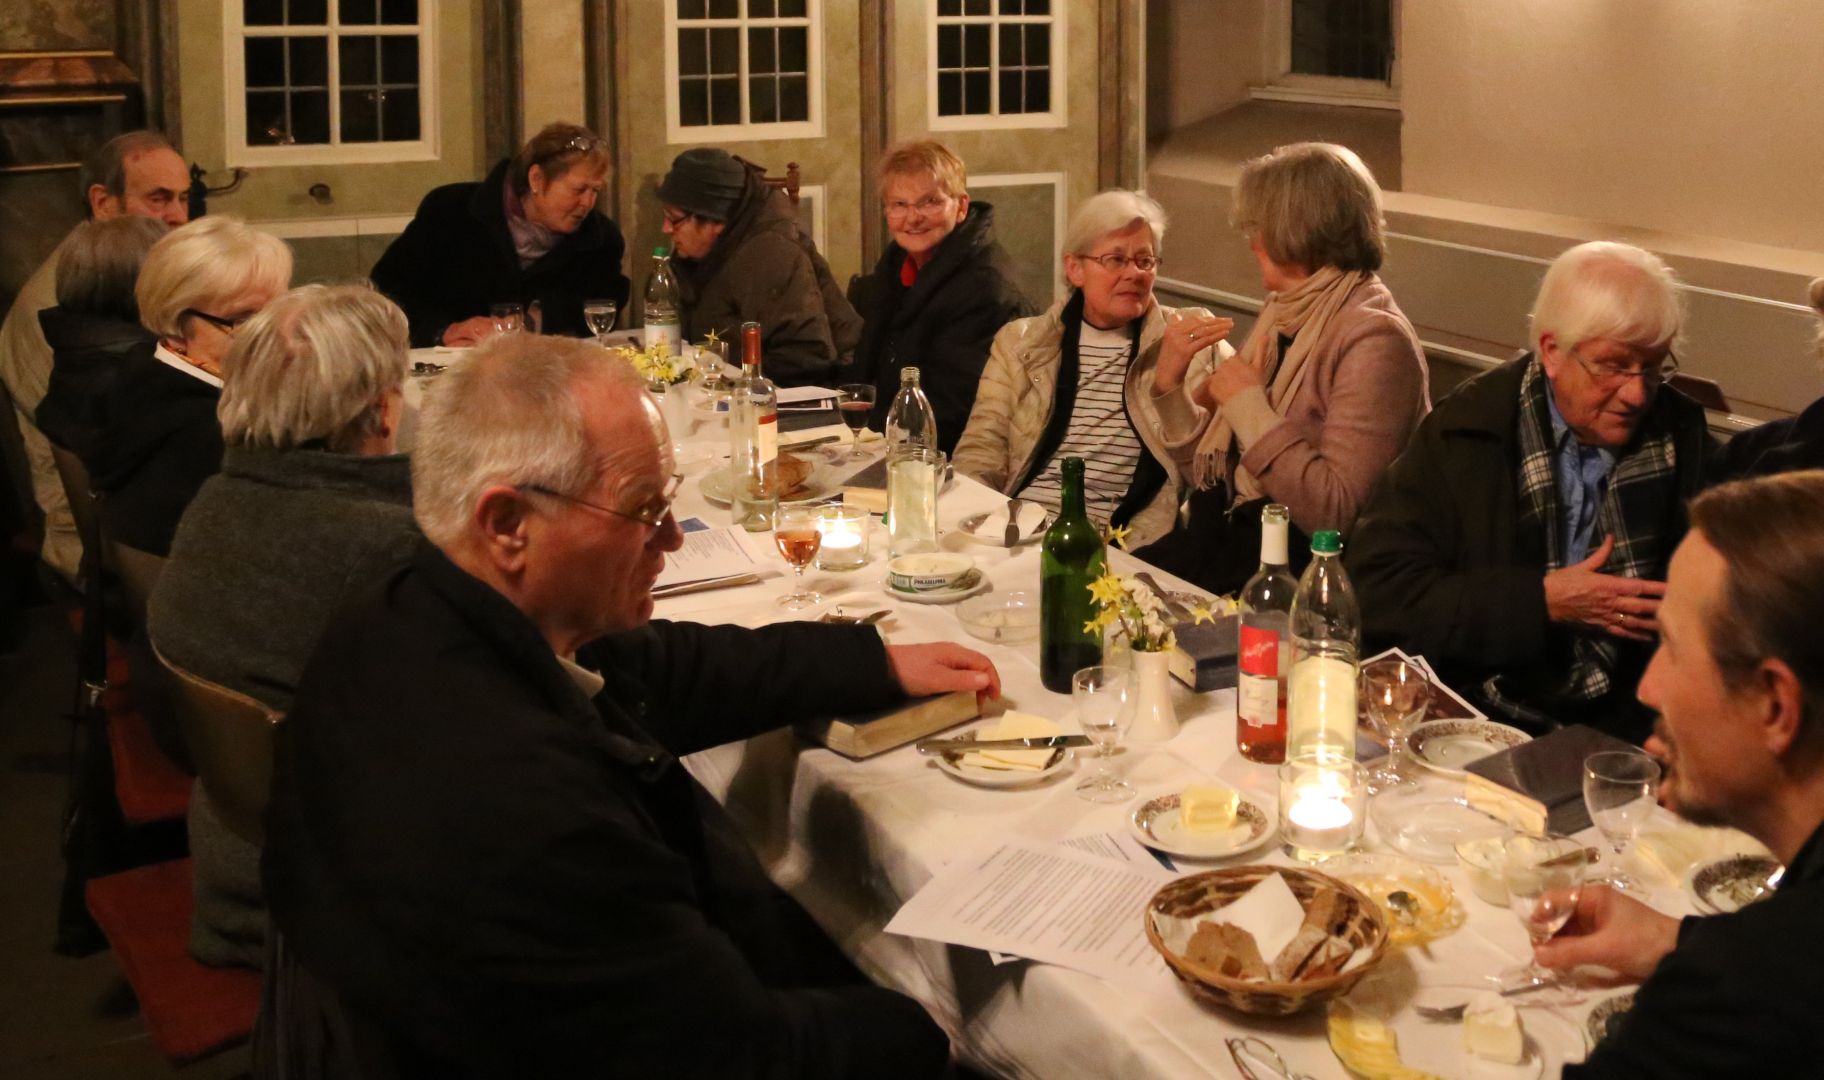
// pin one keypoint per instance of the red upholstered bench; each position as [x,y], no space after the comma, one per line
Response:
[150,788]
[189,1008]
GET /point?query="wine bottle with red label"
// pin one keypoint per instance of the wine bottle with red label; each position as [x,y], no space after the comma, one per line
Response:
[1266,605]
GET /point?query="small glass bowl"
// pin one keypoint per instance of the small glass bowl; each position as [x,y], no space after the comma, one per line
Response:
[1001,618]
[1431,910]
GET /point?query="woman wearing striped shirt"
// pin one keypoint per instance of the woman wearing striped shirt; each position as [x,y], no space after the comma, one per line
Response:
[1076,381]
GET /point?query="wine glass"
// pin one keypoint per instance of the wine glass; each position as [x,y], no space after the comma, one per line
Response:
[599,314]
[1544,876]
[1395,694]
[1105,707]
[856,403]
[1620,788]
[508,318]
[795,531]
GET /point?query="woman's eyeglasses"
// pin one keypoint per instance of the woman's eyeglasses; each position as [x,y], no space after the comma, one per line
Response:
[226,325]
[1115,262]
[930,204]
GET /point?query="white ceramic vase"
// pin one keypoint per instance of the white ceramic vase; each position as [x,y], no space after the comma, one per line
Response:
[674,404]
[1154,719]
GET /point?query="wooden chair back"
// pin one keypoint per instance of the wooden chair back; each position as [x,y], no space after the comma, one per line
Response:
[75,478]
[138,572]
[789,183]
[230,736]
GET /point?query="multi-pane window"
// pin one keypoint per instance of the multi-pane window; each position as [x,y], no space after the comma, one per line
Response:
[743,62]
[994,57]
[1349,39]
[332,72]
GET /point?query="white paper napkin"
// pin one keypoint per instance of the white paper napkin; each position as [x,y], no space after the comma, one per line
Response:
[994,526]
[1268,911]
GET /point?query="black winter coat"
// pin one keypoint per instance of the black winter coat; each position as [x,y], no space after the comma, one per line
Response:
[87,352]
[159,441]
[456,260]
[943,325]
[513,878]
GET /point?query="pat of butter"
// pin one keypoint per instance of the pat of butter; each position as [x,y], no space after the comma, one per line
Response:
[1491,1030]
[1207,808]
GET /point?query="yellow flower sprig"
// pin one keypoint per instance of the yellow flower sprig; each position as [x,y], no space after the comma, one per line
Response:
[657,364]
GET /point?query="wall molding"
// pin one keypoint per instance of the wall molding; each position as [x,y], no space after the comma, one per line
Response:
[1060,187]
[316,228]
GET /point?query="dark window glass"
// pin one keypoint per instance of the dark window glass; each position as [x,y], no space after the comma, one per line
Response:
[263,13]
[763,99]
[399,60]
[975,46]
[308,12]
[949,93]
[693,52]
[949,47]
[724,9]
[725,51]
[309,62]
[1038,91]
[691,9]
[1010,93]
[360,116]
[398,13]
[976,101]
[1351,39]
[265,118]
[1038,46]
[1010,46]
[791,9]
[949,7]
[794,48]
[1038,7]
[759,9]
[975,7]
[725,101]
[359,57]
[693,103]
[265,59]
[794,98]
[1010,7]
[361,12]
[762,51]
[310,116]
[399,116]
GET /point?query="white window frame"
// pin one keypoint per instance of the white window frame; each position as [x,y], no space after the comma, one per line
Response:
[234,95]
[676,134]
[1283,85]
[1060,216]
[994,120]
[819,196]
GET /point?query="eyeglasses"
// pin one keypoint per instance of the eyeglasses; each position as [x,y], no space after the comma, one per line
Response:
[227,326]
[930,204]
[1257,1060]
[1612,376]
[650,513]
[582,144]
[677,218]
[1115,262]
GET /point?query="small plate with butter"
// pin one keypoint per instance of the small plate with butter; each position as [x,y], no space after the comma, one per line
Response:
[1377,1030]
[1202,821]
[1007,768]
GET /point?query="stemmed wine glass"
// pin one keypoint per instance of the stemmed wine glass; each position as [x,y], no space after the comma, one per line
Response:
[856,403]
[1104,701]
[1620,788]
[508,318]
[795,531]
[599,314]
[1395,694]
[1544,876]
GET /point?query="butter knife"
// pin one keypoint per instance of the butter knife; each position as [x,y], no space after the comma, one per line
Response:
[1047,742]
[808,443]
[1012,534]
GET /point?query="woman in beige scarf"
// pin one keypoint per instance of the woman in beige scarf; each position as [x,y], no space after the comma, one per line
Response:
[1323,394]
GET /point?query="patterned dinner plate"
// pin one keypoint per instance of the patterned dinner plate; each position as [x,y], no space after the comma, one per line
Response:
[958,764]
[1159,824]
[1446,746]
[1720,886]
[1606,1016]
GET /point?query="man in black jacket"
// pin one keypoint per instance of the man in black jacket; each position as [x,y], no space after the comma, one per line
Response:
[527,235]
[1737,681]
[941,291]
[480,837]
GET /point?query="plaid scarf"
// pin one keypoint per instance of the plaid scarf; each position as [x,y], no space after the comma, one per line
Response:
[1638,502]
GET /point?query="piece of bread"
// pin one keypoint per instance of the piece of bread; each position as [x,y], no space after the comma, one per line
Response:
[1319,914]
[1227,949]
[1327,959]
[791,473]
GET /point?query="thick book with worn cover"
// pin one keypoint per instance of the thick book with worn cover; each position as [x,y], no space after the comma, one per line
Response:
[1205,655]
[1539,784]
[865,736]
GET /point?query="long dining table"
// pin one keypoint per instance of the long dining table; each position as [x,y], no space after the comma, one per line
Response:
[852,840]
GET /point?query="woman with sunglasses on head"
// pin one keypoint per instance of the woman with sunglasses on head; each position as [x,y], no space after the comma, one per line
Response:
[157,436]
[528,234]
[1076,381]
[1326,390]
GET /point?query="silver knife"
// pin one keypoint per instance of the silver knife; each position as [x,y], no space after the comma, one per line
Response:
[1046,742]
[808,443]
[1011,535]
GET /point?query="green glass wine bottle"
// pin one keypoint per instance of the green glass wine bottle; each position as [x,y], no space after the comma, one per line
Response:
[1071,557]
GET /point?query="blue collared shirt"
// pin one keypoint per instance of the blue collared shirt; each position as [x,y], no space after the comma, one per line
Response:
[1582,473]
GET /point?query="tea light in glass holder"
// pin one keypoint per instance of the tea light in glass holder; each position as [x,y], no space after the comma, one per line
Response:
[1323,802]
[844,530]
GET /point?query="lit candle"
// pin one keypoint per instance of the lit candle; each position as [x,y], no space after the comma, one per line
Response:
[1322,812]
[845,538]
[1321,802]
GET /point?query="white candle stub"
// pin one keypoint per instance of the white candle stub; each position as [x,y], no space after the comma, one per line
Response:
[841,540]
[1320,812]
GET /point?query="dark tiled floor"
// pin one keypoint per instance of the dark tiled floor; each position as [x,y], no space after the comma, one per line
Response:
[58,1017]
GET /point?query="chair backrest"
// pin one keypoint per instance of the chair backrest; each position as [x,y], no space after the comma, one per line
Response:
[75,477]
[230,738]
[138,571]
[789,183]
[1706,392]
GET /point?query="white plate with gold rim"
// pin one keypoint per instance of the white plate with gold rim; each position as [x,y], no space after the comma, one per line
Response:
[956,763]
[1446,746]
[1551,1041]
[1158,824]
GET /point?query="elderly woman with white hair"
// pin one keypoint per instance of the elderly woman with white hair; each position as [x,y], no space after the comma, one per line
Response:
[1075,381]
[1324,393]
[1520,543]
[311,493]
[158,438]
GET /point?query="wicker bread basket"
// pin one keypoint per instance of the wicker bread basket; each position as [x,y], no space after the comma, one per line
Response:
[1188,897]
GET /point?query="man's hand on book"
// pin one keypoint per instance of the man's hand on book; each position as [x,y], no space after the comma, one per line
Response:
[941,667]
[1613,931]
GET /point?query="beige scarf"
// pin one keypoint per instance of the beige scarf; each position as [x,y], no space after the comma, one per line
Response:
[1302,312]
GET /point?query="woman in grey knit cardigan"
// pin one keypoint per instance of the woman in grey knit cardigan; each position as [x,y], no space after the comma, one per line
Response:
[311,493]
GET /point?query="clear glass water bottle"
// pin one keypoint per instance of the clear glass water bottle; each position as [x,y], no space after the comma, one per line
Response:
[660,314]
[753,441]
[910,419]
[1326,626]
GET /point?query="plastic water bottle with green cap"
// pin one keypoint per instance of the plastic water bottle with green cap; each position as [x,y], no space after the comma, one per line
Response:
[1326,626]
[660,313]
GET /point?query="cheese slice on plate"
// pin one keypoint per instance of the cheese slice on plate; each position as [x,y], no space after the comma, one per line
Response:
[1013,725]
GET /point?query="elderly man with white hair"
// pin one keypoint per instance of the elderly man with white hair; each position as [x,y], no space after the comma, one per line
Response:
[1521,541]
[310,494]
[482,851]
[1077,380]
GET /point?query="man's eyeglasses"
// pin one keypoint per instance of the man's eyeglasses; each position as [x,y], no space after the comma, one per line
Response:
[1612,375]
[676,219]
[650,513]
[930,204]
[227,326]
[1115,262]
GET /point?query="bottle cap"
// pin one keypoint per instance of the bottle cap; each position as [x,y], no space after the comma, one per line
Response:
[660,252]
[908,376]
[1326,542]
